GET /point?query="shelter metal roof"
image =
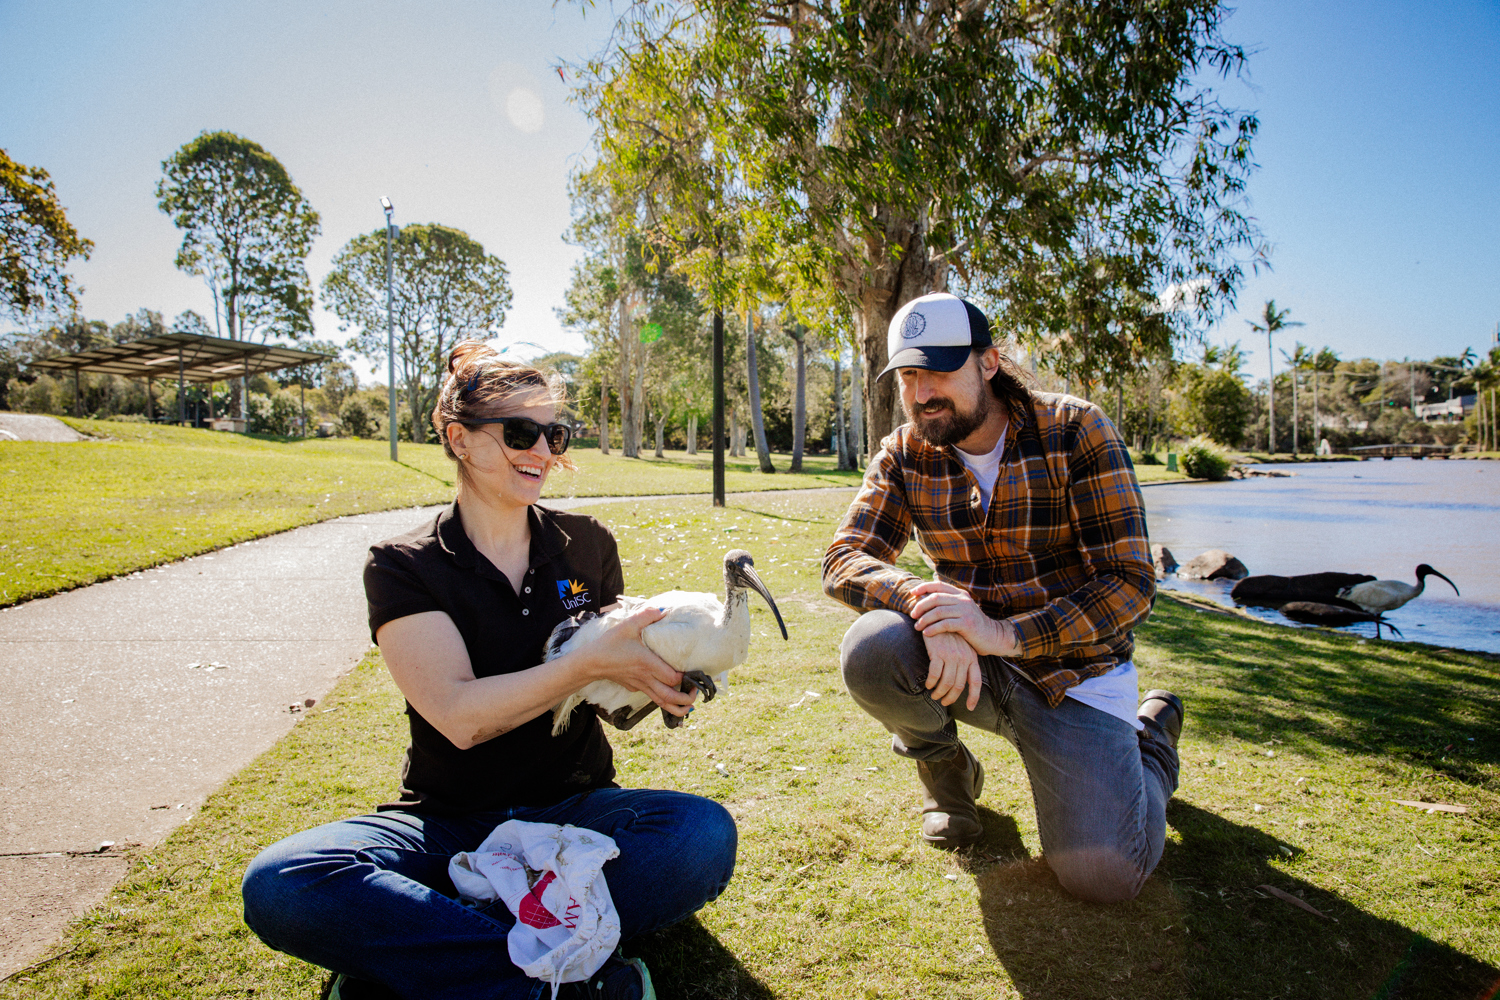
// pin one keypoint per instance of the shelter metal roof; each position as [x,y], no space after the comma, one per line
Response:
[202,359]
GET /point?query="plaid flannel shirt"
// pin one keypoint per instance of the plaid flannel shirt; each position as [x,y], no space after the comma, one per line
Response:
[1062,551]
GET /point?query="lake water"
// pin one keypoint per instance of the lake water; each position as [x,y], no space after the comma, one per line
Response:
[1375,517]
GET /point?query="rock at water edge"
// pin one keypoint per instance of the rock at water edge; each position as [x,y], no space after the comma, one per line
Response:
[1163,560]
[1215,564]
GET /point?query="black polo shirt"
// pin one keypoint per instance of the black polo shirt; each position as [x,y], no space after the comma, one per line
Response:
[574,566]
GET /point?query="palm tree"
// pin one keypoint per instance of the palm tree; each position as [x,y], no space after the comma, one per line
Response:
[1486,379]
[1326,360]
[1228,357]
[1272,320]
[1300,359]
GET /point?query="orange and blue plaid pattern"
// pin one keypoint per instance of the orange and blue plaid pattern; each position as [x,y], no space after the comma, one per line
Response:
[1062,551]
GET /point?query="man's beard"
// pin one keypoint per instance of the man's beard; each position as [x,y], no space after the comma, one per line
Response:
[941,422]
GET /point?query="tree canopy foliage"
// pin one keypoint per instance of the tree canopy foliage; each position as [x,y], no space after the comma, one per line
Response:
[445,288]
[247,230]
[36,242]
[1058,160]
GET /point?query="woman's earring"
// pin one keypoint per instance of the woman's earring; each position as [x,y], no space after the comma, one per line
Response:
[463,458]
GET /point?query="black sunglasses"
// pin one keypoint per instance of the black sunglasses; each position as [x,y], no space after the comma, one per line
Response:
[521,433]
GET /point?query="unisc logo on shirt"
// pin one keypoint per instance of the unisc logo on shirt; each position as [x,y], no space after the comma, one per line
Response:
[572,593]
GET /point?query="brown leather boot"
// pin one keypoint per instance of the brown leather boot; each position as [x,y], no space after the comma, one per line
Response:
[1163,710]
[949,790]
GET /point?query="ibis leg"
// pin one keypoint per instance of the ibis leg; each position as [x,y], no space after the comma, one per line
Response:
[700,680]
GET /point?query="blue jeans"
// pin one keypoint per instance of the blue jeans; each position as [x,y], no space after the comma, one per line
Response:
[1100,787]
[370,897]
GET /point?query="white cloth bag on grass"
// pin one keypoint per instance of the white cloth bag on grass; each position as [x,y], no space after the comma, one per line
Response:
[552,879]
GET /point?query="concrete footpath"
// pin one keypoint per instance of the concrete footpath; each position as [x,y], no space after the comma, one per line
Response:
[128,702]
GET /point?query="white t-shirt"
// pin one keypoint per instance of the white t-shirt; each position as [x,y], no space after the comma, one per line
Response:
[985,468]
[1116,693]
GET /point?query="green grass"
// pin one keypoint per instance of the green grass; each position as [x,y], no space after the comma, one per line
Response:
[76,513]
[1296,743]
[143,495]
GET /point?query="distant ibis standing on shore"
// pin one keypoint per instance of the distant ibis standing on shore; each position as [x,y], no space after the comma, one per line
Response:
[1380,596]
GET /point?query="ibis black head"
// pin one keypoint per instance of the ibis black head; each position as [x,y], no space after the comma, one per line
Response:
[1424,571]
[739,574]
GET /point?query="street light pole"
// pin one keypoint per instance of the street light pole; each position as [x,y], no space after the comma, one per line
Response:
[390,328]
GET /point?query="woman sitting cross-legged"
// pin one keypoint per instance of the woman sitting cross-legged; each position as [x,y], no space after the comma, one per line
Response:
[461,609]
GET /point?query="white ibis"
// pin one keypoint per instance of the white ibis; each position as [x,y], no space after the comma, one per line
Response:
[1380,596]
[698,636]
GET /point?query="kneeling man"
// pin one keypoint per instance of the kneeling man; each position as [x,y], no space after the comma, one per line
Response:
[1027,504]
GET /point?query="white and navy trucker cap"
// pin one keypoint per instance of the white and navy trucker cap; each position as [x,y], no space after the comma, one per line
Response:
[936,332]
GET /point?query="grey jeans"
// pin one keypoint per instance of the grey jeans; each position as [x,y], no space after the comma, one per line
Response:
[1100,787]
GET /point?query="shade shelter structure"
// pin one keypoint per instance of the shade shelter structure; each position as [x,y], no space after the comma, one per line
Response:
[186,356]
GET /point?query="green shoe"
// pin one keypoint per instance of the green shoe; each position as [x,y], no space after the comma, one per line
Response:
[617,979]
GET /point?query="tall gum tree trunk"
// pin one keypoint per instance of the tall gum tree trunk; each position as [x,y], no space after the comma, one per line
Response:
[692,435]
[857,411]
[629,445]
[904,269]
[757,418]
[840,444]
[604,416]
[799,404]
[736,439]
[638,390]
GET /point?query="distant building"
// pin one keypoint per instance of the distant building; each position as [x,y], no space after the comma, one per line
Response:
[1449,411]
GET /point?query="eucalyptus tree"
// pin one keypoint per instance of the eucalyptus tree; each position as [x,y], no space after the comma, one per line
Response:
[1061,159]
[444,289]
[37,242]
[1209,396]
[589,309]
[247,230]
[798,334]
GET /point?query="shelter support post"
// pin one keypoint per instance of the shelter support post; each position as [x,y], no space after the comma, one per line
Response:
[148,400]
[302,392]
[77,393]
[181,392]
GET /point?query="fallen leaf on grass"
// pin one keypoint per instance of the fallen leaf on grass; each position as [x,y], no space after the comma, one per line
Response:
[1287,897]
[1431,807]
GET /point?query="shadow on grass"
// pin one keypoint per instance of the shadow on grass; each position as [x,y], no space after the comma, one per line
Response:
[1324,694]
[1201,928]
[688,963]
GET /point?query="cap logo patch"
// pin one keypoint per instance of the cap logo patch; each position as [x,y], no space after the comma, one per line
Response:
[913,325]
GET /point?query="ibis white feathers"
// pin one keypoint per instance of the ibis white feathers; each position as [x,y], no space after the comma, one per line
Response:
[699,636]
[1380,596]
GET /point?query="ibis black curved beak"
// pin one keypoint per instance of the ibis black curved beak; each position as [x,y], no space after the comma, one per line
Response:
[752,580]
[1433,572]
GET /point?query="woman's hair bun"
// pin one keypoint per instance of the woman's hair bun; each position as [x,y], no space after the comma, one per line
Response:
[466,351]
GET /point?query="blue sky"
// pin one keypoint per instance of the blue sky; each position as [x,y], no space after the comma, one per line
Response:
[1379,185]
